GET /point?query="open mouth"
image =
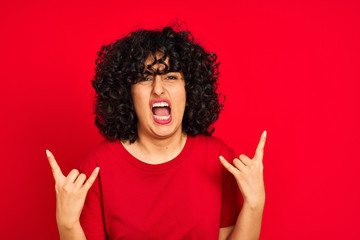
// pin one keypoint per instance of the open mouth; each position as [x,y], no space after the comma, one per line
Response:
[161,111]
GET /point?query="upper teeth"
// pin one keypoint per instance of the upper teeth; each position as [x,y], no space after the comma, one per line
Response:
[161,104]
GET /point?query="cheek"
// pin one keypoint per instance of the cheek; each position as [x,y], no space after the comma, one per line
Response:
[184,96]
[140,106]
[137,100]
[182,99]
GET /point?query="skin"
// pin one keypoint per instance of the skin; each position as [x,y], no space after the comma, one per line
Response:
[250,179]
[70,198]
[158,143]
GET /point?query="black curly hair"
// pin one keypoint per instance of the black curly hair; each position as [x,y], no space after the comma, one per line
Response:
[121,64]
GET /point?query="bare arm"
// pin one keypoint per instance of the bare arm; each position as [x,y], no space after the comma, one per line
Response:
[248,225]
[74,233]
[249,176]
[225,232]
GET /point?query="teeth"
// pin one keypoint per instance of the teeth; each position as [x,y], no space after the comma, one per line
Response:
[162,117]
[161,104]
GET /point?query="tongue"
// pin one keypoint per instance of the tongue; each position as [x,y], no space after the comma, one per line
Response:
[161,111]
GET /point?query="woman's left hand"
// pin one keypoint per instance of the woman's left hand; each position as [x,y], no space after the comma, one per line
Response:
[249,175]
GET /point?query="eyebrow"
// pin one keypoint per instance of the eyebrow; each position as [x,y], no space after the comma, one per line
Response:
[147,72]
[162,73]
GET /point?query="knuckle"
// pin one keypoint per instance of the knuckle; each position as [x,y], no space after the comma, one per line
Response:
[66,188]
[92,176]
[91,180]
[82,191]
[85,187]
[82,175]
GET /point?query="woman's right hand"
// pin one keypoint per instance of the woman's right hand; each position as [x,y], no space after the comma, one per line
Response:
[70,193]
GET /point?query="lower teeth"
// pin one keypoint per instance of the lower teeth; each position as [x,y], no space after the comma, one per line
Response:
[162,117]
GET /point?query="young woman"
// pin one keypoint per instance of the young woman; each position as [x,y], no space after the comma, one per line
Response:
[160,175]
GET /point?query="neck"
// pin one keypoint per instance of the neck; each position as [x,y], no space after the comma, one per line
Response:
[157,150]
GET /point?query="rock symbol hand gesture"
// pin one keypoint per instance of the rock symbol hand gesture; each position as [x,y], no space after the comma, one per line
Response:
[70,193]
[249,175]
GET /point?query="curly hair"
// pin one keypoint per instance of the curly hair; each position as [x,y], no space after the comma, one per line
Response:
[121,64]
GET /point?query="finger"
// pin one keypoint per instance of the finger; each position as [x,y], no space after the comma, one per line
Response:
[71,177]
[54,166]
[91,179]
[245,159]
[228,166]
[259,153]
[80,180]
[239,165]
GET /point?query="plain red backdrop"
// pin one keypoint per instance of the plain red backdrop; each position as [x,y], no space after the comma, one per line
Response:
[288,67]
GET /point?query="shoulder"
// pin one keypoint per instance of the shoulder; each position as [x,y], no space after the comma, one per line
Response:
[212,143]
[94,158]
[210,140]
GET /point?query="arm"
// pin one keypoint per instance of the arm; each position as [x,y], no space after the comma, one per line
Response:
[74,233]
[247,226]
[249,176]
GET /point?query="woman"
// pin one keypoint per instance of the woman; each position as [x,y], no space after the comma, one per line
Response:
[160,173]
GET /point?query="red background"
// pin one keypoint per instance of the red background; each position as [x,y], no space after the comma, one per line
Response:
[288,67]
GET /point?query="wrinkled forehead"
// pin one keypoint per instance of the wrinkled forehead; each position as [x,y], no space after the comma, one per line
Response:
[157,63]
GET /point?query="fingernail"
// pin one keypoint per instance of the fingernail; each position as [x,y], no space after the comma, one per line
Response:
[264,134]
[97,169]
[47,153]
[221,157]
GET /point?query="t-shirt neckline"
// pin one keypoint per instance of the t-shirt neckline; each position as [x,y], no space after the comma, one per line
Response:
[161,166]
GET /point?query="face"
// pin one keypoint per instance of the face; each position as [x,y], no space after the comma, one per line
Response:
[159,102]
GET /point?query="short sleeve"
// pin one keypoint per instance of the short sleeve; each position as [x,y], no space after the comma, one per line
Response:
[92,215]
[231,197]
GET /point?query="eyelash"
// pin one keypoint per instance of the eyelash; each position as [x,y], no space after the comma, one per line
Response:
[149,79]
[144,79]
[172,77]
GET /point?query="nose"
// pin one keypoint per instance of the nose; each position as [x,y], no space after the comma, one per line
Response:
[158,87]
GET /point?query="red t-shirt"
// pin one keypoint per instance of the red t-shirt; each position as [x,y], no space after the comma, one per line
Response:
[188,197]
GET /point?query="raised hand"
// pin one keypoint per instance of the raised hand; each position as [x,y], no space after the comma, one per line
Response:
[249,175]
[70,193]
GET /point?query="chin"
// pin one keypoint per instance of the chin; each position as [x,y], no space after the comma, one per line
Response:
[165,131]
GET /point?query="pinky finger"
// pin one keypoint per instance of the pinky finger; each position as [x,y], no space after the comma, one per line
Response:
[228,166]
[91,179]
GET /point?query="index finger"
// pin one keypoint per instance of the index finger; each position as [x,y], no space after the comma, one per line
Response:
[260,148]
[54,166]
